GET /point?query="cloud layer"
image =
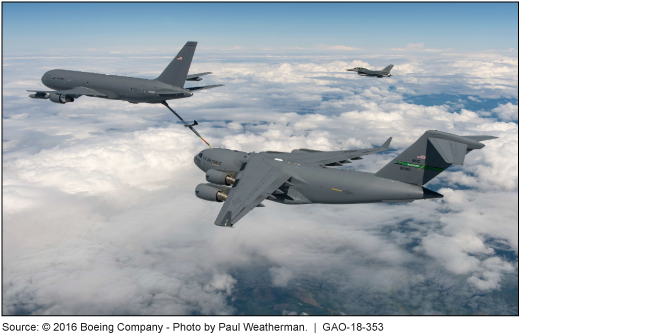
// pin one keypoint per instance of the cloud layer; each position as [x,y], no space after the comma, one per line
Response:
[99,215]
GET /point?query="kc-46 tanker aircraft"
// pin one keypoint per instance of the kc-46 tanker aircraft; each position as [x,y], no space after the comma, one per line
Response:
[70,85]
[301,177]
[362,71]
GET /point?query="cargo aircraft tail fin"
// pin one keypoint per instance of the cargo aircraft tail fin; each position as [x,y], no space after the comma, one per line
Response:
[431,154]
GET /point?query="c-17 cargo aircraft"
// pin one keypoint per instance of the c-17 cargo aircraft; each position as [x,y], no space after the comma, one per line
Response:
[370,73]
[70,85]
[301,177]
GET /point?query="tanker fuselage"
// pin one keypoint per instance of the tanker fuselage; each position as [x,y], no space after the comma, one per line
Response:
[135,90]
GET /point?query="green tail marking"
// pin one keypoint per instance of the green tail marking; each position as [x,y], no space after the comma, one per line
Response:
[418,166]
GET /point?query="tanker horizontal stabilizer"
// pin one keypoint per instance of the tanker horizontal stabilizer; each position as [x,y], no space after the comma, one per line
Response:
[203,87]
[197,76]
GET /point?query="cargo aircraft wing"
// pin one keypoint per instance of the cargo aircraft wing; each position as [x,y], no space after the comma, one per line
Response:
[255,182]
[337,158]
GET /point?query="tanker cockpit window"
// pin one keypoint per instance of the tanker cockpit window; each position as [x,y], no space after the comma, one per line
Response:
[201,155]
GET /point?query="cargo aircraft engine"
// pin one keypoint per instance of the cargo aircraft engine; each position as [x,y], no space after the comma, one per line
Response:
[218,177]
[211,192]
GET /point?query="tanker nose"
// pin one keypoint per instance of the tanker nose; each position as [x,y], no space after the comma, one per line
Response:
[44,77]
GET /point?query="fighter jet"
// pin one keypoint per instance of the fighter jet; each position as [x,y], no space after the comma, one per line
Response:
[243,180]
[70,85]
[370,73]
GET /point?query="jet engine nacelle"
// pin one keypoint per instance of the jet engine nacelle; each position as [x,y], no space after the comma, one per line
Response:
[39,95]
[211,192]
[60,99]
[218,177]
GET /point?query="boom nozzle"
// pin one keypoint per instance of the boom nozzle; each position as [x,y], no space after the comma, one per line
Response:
[187,124]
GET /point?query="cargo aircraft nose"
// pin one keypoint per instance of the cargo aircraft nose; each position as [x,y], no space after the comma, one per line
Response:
[197,160]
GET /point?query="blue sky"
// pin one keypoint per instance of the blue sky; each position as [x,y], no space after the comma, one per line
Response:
[460,26]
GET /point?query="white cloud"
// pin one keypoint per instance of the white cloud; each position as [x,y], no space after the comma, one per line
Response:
[280,276]
[493,268]
[415,45]
[221,282]
[507,112]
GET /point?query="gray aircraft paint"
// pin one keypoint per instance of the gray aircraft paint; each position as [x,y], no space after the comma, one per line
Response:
[301,177]
[69,85]
[134,90]
[430,155]
[334,186]
[372,73]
